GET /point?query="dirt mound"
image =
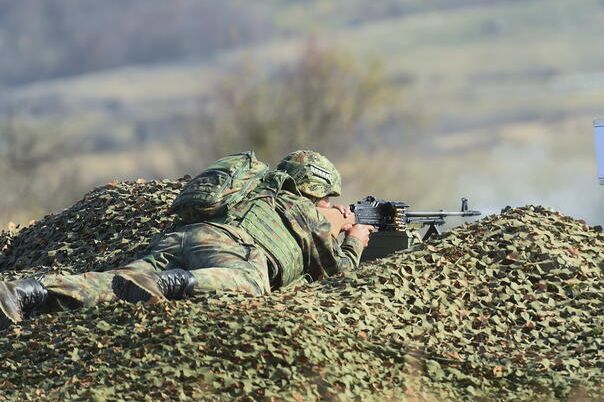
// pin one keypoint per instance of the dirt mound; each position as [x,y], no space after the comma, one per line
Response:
[510,307]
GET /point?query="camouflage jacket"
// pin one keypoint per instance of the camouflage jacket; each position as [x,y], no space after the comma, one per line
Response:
[322,254]
[285,223]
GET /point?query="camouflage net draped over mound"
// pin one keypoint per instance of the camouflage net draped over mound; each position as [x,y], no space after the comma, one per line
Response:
[510,307]
[109,227]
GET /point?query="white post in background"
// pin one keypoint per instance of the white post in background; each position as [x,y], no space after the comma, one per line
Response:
[599,134]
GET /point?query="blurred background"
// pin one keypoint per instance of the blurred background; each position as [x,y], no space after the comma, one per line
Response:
[423,101]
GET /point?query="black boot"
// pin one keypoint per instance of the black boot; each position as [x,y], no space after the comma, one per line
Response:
[135,286]
[176,283]
[18,299]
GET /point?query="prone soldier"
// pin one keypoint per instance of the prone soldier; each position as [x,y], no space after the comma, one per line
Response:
[273,238]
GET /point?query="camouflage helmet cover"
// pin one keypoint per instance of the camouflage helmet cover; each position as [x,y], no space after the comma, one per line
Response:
[313,173]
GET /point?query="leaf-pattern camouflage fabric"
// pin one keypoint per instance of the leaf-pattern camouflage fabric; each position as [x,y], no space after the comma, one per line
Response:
[111,226]
[314,174]
[284,218]
[507,308]
[322,255]
[221,257]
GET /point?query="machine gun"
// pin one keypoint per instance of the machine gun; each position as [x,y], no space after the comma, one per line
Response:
[397,225]
[395,216]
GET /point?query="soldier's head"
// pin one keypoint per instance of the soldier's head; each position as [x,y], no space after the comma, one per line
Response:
[315,176]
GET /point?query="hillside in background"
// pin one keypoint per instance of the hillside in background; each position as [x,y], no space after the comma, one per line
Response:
[63,38]
[492,100]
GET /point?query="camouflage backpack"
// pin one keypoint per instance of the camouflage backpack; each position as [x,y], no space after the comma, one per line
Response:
[222,185]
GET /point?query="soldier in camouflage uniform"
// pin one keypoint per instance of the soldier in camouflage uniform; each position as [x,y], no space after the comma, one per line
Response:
[273,239]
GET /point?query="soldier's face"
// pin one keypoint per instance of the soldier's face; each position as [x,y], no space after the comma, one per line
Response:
[323,203]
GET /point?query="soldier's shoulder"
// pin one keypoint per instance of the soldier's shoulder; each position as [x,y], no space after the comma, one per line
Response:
[289,197]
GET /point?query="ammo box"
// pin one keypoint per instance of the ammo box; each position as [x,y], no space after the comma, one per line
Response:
[383,243]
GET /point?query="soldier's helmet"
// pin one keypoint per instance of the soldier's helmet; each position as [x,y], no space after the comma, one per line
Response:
[314,174]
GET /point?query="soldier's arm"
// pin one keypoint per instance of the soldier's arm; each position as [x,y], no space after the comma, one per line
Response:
[344,221]
[337,219]
[347,255]
[322,254]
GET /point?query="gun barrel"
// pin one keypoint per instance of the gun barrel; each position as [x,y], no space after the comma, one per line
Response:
[439,214]
[430,220]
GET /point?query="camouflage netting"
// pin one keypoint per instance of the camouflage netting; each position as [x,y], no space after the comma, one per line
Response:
[510,307]
[110,226]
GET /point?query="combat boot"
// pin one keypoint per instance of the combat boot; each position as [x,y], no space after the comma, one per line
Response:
[135,286]
[18,299]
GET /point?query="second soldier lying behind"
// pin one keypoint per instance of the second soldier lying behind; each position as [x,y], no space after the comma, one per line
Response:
[284,239]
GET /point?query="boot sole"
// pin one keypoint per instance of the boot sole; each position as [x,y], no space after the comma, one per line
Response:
[136,287]
[10,312]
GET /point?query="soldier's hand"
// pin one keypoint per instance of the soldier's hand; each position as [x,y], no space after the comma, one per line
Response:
[361,232]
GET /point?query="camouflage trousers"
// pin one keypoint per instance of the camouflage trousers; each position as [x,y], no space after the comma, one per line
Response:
[219,256]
